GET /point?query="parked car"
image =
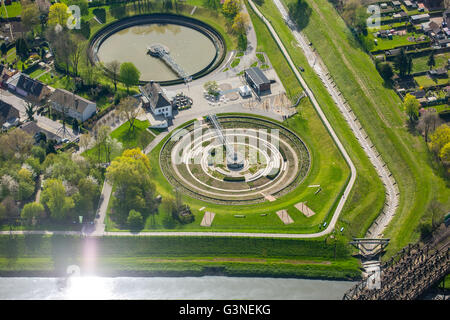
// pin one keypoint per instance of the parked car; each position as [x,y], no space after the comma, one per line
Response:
[301,69]
[65,140]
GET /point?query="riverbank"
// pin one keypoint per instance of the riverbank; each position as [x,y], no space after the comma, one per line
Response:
[50,256]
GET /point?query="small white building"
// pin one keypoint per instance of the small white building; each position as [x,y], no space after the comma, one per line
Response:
[74,106]
[245,91]
[156,99]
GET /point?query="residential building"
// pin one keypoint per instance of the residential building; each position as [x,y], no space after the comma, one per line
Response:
[154,97]
[72,105]
[30,88]
[9,116]
[33,129]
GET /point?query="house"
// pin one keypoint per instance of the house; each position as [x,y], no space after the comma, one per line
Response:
[74,106]
[257,80]
[392,52]
[31,88]
[440,73]
[421,7]
[418,94]
[396,4]
[154,97]
[443,43]
[12,81]
[408,3]
[35,131]
[446,17]
[384,6]
[9,116]
[417,18]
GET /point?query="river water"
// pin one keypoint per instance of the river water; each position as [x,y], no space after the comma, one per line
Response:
[161,288]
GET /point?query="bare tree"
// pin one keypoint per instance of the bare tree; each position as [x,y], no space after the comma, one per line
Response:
[76,53]
[30,107]
[114,67]
[428,122]
[129,108]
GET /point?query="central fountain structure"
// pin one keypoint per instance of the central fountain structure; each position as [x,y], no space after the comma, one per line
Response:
[235,160]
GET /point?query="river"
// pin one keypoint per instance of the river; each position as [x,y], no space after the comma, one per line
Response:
[162,288]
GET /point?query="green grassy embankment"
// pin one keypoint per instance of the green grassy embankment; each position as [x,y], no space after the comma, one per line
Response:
[379,110]
[367,196]
[170,256]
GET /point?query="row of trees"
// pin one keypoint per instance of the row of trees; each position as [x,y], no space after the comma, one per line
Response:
[436,134]
[237,19]
[71,185]
[135,192]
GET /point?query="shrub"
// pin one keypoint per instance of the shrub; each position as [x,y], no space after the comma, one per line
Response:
[135,220]
[100,13]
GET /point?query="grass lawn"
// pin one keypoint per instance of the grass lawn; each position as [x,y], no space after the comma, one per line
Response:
[426,81]
[397,41]
[420,64]
[367,196]
[379,110]
[139,137]
[328,169]
[172,256]
[235,62]
[36,73]
[14,9]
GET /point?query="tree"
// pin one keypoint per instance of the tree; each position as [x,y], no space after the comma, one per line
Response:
[402,64]
[240,23]
[117,10]
[130,175]
[431,62]
[83,5]
[129,107]
[16,143]
[30,108]
[444,154]
[231,8]
[3,49]
[411,106]
[30,15]
[2,212]
[32,211]
[54,197]
[135,220]
[112,146]
[428,122]
[77,49]
[211,4]
[22,48]
[38,153]
[26,184]
[212,88]
[114,68]
[129,75]
[85,141]
[58,14]
[439,138]
[355,15]
[11,208]
[386,71]
[89,191]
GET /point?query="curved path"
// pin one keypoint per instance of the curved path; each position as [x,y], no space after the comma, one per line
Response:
[392,196]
